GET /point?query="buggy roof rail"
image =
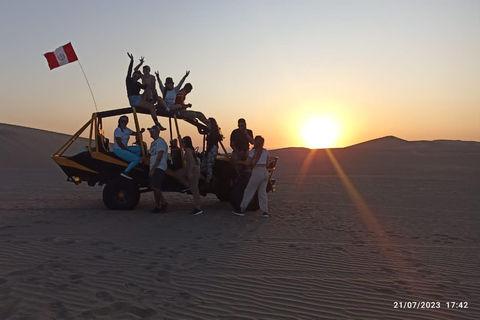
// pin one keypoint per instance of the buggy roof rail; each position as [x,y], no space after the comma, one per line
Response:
[118,112]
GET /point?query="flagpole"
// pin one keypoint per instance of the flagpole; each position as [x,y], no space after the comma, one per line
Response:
[94,102]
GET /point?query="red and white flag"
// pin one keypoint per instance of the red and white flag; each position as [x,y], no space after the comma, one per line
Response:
[63,55]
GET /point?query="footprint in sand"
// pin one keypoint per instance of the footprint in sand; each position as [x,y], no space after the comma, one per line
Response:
[105,296]
[163,275]
[100,242]
[185,295]
[62,242]
[7,227]
[228,245]
[342,250]
[76,278]
[59,309]
[387,270]
[385,290]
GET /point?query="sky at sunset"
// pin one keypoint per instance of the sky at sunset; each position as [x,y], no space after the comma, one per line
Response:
[302,73]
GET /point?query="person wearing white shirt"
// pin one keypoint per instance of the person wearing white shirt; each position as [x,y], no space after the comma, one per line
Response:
[257,160]
[131,154]
[158,165]
[169,92]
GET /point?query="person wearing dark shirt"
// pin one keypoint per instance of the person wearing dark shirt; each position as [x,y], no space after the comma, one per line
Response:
[240,141]
[214,136]
[133,92]
[181,107]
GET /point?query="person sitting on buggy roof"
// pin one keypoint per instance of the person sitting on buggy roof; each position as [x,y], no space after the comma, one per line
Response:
[169,92]
[150,93]
[133,92]
[181,107]
[131,154]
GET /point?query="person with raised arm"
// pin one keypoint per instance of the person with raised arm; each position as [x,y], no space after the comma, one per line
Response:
[150,93]
[133,93]
[181,107]
[169,91]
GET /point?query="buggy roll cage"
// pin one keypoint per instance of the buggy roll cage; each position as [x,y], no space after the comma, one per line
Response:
[96,130]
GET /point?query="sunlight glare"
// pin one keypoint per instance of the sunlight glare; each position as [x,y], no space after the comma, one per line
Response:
[320,132]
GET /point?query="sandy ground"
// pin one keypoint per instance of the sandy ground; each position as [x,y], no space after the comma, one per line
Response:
[337,246]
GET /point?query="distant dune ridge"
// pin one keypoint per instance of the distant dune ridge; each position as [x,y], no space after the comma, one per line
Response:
[31,148]
[401,226]
[24,147]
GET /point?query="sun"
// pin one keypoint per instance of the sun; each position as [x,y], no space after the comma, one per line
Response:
[320,132]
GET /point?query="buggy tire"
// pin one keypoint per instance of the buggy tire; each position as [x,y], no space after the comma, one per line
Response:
[121,194]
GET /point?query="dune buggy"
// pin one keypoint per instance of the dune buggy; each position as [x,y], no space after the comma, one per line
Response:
[97,164]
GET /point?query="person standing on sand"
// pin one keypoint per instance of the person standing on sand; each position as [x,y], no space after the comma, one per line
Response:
[240,141]
[257,160]
[190,174]
[158,165]
[133,92]
[214,136]
[131,154]
[169,92]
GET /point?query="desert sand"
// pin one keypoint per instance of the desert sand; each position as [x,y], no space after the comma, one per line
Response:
[353,233]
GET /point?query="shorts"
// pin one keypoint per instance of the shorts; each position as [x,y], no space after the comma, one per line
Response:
[134,100]
[157,180]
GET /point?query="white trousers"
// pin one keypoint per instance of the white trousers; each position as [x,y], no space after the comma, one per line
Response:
[258,182]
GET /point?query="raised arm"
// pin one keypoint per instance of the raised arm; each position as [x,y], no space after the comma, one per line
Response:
[162,87]
[140,64]
[130,66]
[177,88]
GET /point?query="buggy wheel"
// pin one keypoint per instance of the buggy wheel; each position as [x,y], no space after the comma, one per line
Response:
[121,195]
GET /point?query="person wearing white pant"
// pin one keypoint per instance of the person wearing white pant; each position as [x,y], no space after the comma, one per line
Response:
[257,159]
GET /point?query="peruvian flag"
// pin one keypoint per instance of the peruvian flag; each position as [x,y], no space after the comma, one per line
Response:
[61,56]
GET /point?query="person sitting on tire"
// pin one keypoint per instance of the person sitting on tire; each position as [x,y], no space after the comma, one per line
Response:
[257,160]
[131,154]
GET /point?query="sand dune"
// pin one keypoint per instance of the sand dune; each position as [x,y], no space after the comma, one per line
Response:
[400,226]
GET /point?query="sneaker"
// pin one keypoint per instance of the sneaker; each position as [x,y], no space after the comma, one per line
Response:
[161,128]
[126,176]
[265,215]
[163,208]
[197,211]
[156,210]
[239,213]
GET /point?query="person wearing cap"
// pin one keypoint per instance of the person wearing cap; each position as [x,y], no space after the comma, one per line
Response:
[133,92]
[158,165]
[181,107]
[169,91]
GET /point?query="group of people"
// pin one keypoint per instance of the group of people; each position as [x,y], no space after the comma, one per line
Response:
[173,102]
